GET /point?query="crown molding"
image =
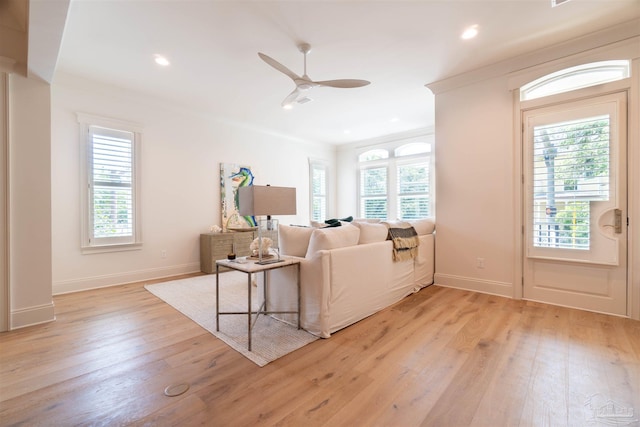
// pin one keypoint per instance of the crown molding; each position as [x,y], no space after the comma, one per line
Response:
[598,39]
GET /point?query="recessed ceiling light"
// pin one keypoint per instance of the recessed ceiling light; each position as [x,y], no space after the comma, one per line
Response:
[346,132]
[469,32]
[161,60]
[555,3]
[394,120]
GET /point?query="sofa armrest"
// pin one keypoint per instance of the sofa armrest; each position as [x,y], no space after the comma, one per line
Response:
[314,292]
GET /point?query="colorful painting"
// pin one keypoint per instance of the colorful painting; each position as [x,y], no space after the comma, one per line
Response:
[233,177]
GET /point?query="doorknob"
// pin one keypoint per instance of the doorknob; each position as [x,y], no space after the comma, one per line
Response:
[617,222]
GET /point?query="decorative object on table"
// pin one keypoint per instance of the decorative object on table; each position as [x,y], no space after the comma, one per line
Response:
[215,229]
[266,246]
[215,246]
[233,177]
[257,200]
[242,229]
[232,255]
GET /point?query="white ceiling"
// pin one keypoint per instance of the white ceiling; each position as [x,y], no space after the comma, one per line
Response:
[397,45]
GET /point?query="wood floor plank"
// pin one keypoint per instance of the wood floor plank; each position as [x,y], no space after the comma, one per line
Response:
[439,357]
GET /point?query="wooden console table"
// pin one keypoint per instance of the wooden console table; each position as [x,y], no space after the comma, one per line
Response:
[215,246]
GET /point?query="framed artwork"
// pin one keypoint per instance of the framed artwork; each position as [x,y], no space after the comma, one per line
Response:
[232,177]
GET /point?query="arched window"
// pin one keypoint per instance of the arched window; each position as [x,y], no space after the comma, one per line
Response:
[376,154]
[412,148]
[574,78]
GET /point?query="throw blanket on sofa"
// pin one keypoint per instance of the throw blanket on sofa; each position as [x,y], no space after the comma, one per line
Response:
[405,241]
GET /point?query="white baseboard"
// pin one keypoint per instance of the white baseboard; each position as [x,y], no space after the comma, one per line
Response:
[31,316]
[504,289]
[95,282]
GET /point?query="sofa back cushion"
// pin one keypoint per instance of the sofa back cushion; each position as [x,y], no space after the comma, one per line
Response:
[423,226]
[371,232]
[332,238]
[293,240]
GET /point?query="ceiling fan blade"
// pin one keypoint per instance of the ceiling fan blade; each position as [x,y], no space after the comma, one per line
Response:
[344,83]
[290,99]
[278,66]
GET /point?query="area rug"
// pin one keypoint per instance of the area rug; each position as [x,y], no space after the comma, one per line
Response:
[196,298]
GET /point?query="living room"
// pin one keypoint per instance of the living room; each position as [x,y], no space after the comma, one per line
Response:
[215,140]
[477,165]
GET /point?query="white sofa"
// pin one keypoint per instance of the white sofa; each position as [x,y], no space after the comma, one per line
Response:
[347,273]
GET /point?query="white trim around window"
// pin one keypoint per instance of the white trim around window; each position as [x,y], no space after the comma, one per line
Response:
[110,184]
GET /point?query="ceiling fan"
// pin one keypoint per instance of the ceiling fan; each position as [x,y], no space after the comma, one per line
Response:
[304,83]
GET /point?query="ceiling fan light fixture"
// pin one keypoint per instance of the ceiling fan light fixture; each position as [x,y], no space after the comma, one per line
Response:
[304,83]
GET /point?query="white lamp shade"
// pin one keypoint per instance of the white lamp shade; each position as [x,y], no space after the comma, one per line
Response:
[258,200]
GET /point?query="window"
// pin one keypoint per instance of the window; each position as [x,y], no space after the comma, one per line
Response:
[318,171]
[413,190]
[373,192]
[373,155]
[398,185]
[110,188]
[575,78]
[570,170]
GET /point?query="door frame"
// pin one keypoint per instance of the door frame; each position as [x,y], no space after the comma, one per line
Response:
[632,87]
[4,203]
[565,275]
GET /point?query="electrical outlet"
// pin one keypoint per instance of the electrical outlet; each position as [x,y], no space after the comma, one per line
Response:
[163,253]
[480,263]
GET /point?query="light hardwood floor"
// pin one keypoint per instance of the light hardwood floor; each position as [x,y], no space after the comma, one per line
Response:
[441,357]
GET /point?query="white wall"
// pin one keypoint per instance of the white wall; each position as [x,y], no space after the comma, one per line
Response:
[474,187]
[477,164]
[182,151]
[29,202]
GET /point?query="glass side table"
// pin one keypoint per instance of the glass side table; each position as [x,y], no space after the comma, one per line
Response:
[252,267]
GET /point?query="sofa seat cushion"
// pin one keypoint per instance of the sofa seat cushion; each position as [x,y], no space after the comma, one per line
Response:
[332,238]
[293,240]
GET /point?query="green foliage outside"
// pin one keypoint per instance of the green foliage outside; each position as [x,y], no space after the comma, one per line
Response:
[112,212]
[574,153]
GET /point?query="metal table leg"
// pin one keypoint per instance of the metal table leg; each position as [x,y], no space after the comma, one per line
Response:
[299,296]
[217,297]
[249,308]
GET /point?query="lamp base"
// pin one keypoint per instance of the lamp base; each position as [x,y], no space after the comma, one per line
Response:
[269,261]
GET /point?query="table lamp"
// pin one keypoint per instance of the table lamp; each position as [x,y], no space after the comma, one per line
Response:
[259,200]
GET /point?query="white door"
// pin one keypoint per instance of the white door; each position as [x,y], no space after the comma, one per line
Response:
[575,206]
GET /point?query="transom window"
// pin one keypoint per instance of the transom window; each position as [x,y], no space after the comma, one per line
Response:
[575,78]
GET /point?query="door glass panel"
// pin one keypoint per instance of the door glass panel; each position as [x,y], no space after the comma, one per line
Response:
[570,171]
